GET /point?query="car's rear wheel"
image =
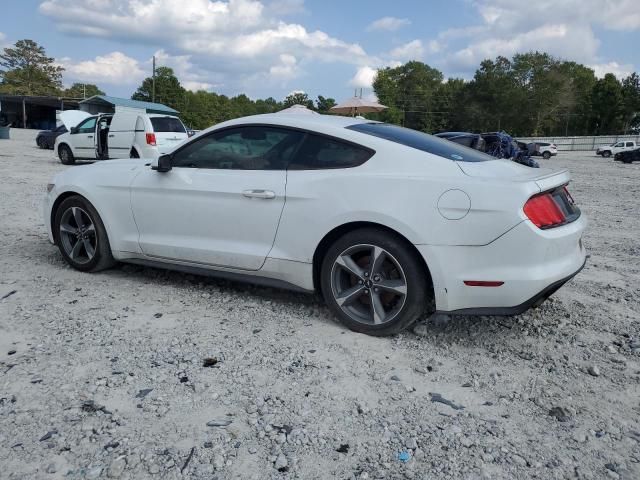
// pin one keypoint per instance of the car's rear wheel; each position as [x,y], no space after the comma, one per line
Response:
[81,236]
[606,154]
[374,282]
[66,155]
[546,155]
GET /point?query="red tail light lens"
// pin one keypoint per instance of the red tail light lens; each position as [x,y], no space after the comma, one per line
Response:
[543,211]
[151,139]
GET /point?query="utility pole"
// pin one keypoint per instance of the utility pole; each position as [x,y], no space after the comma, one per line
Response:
[84,90]
[153,82]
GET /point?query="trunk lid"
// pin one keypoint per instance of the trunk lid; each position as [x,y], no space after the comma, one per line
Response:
[544,178]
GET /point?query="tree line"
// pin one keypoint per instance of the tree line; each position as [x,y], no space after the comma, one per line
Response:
[532,94]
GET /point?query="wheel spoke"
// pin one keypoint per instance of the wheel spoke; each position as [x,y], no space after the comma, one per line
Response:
[90,229]
[347,263]
[396,286]
[88,248]
[75,251]
[66,228]
[377,259]
[77,216]
[377,309]
[350,295]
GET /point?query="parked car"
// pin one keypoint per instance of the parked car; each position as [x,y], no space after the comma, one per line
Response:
[124,134]
[47,138]
[628,156]
[496,144]
[386,222]
[608,150]
[545,150]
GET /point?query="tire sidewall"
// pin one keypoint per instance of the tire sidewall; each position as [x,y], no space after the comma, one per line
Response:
[70,160]
[606,154]
[546,155]
[103,249]
[417,296]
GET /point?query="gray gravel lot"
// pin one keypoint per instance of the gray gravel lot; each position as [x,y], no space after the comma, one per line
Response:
[103,375]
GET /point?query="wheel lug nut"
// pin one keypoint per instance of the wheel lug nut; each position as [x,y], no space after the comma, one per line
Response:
[360,282]
[366,274]
[376,289]
[366,291]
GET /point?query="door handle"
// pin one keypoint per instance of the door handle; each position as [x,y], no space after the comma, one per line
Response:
[265,194]
[111,136]
[89,136]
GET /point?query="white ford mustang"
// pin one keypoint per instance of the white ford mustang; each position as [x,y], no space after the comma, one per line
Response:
[386,222]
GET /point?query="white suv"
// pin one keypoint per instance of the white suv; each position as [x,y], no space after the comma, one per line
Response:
[546,150]
[125,134]
[608,150]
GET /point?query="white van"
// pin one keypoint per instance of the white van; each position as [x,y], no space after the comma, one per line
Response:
[128,133]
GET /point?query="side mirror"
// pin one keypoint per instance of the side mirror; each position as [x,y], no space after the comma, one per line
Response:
[73,130]
[163,164]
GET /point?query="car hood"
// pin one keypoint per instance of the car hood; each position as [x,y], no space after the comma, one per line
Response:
[545,178]
[71,118]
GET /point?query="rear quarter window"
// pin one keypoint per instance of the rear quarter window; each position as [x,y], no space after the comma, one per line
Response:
[318,152]
[167,124]
[421,141]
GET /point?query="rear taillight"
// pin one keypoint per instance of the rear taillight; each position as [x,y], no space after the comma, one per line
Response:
[151,139]
[543,211]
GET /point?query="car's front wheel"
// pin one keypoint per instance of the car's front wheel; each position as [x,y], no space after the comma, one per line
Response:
[81,236]
[606,154]
[374,282]
[66,155]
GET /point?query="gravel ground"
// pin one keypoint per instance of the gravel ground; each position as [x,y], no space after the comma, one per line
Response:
[139,372]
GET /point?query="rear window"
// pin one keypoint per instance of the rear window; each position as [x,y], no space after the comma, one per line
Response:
[167,124]
[421,141]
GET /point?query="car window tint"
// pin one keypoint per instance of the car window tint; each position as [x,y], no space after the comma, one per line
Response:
[421,141]
[619,144]
[320,152]
[629,144]
[241,148]
[87,126]
[167,124]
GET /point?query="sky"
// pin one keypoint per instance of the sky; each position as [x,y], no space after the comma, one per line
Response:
[270,48]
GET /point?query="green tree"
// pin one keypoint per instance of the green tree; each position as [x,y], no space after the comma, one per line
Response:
[323,105]
[25,69]
[606,100]
[298,98]
[631,102]
[82,90]
[168,90]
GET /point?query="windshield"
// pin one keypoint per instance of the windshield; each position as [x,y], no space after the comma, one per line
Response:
[167,124]
[421,141]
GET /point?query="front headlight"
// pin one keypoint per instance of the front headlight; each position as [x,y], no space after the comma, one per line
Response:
[50,187]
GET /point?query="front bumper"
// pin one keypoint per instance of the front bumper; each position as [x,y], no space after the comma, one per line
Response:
[47,203]
[532,263]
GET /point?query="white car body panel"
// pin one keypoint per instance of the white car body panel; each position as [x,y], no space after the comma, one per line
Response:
[199,218]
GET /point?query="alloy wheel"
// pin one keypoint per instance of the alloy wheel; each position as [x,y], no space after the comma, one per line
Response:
[368,284]
[78,235]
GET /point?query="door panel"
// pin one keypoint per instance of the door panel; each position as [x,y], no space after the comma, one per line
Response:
[83,142]
[205,215]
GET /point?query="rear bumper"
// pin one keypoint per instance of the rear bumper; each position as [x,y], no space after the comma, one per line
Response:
[532,263]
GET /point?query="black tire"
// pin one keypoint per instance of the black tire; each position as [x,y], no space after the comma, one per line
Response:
[66,155]
[606,154]
[546,155]
[40,143]
[134,153]
[625,160]
[102,257]
[400,311]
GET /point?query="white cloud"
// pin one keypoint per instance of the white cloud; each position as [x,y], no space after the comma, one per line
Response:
[413,50]
[363,78]
[566,29]
[114,68]
[229,41]
[390,24]
[620,71]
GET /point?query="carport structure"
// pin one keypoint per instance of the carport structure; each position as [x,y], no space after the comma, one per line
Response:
[39,112]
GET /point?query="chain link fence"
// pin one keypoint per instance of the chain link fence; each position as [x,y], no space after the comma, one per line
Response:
[567,144]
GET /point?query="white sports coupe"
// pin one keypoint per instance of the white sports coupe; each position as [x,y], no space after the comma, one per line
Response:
[386,223]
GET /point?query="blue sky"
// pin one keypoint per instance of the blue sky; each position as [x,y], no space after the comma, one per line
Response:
[273,47]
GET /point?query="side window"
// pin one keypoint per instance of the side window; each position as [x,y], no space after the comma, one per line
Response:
[619,144]
[241,148]
[319,152]
[629,144]
[88,126]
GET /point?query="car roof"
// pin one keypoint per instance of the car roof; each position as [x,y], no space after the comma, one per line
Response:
[320,123]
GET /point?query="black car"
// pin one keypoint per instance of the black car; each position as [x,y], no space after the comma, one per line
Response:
[628,156]
[47,138]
